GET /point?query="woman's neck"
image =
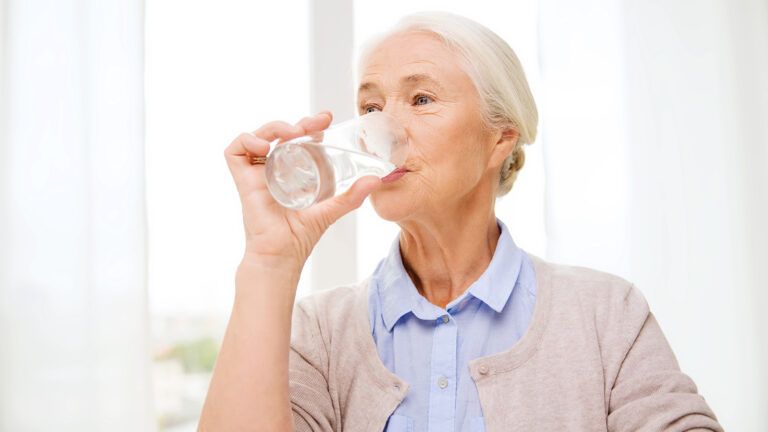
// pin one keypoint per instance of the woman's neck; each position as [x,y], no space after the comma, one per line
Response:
[445,256]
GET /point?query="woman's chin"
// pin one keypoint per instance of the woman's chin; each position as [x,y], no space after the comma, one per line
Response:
[391,205]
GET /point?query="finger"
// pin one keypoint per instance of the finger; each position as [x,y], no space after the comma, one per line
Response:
[278,130]
[314,126]
[316,123]
[247,144]
[330,210]
[238,154]
[241,148]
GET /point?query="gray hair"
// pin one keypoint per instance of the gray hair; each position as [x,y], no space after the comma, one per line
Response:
[505,98]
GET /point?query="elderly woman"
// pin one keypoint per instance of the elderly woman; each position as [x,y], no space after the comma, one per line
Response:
[458,328]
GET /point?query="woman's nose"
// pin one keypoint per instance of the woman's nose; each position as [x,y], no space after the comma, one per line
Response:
[392,110]
[398,115]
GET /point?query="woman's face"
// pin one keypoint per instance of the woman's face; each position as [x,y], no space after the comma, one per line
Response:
[453,159]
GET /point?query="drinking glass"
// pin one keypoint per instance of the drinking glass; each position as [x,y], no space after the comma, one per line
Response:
[312,168]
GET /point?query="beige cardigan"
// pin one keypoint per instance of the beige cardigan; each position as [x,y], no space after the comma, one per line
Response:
[592,359]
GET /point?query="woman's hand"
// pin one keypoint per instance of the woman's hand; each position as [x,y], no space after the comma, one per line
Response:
[275,236]
[249,387]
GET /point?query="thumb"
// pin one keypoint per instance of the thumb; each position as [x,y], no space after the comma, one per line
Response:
[330,210]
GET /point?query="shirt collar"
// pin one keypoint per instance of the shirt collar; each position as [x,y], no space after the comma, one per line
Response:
[399,295]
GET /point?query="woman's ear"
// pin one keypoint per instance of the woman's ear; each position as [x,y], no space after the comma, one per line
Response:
[504,146]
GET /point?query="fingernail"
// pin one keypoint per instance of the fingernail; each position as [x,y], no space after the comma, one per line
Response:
[323,112]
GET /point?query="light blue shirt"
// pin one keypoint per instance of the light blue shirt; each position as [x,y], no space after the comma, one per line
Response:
[430,347]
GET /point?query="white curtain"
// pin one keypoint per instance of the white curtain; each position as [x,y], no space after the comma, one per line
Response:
[656,149]
[74,334]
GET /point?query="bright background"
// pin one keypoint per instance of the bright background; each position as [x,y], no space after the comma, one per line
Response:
[120,227]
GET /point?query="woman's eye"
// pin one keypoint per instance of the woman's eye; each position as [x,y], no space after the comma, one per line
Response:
[369,109]
[422,99]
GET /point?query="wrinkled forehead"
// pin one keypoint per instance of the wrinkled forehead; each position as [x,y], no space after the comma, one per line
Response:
[404,58]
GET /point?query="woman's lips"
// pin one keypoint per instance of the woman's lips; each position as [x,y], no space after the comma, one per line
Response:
[394,175]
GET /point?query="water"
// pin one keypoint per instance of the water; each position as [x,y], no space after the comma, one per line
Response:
[302,174]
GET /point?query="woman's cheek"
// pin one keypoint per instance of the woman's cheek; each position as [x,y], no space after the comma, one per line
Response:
[420,183]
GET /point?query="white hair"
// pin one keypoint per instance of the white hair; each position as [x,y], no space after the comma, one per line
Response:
[505,98]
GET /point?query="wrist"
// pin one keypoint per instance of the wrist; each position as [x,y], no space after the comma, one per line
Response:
[257,278]
[272,263]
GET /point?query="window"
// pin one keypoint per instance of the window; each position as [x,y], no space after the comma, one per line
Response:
[212,71]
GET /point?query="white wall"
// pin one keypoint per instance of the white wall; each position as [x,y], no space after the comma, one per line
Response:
[656,154]
[696,110]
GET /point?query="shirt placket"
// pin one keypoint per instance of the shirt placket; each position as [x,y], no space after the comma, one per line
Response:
[442,385]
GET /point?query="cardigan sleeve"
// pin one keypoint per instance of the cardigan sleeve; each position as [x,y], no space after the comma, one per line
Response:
[650,393]
[311,401]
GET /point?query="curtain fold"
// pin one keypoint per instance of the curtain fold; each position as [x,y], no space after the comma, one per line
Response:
[74,331]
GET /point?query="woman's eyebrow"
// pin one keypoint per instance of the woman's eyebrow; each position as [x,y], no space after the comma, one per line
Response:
[419,79]
[406,80]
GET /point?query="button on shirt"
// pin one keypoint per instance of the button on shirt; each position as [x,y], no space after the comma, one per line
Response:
[430,347]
